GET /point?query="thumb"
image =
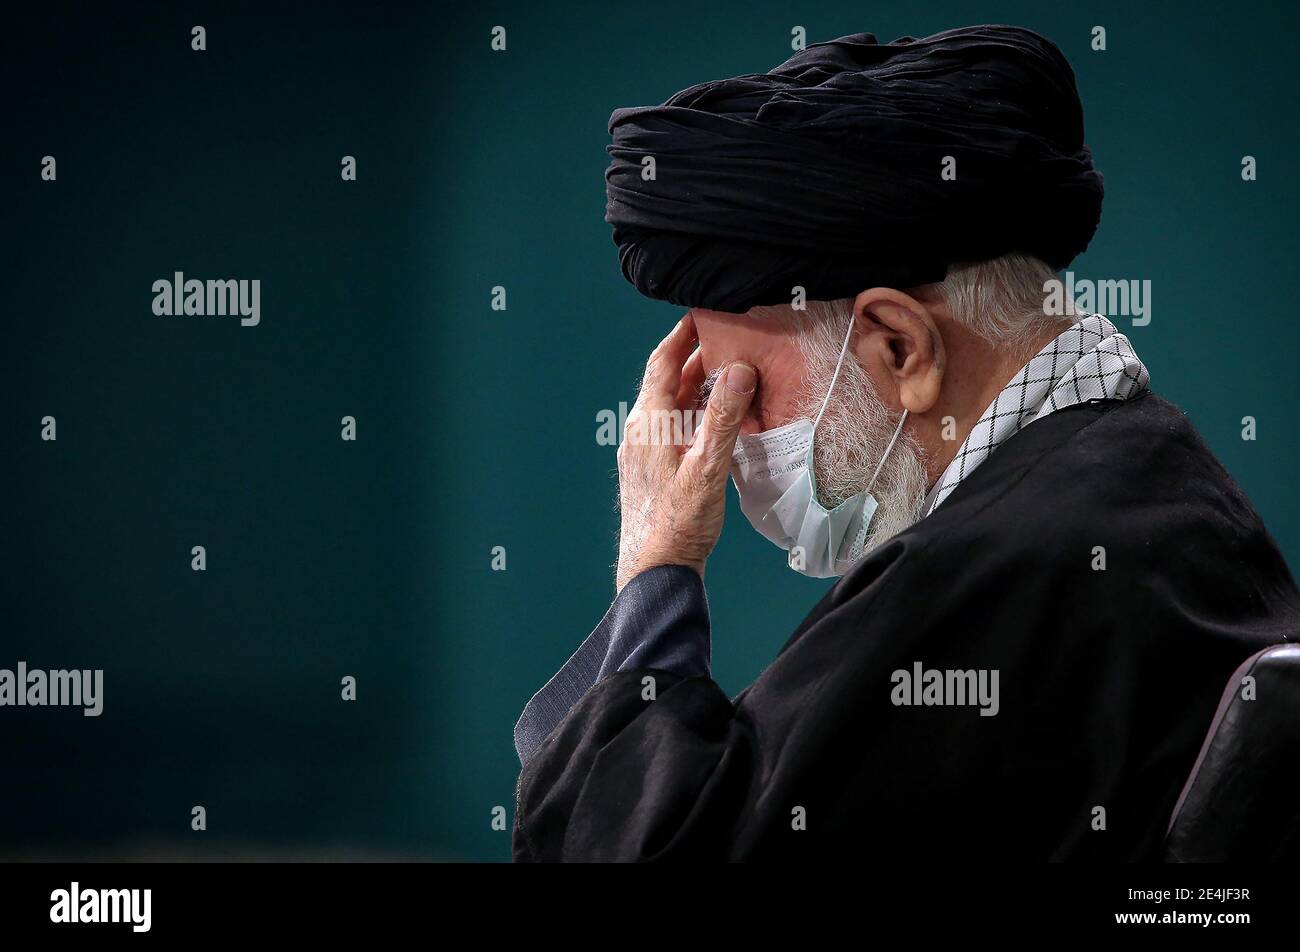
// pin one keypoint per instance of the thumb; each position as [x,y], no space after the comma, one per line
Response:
[727,407]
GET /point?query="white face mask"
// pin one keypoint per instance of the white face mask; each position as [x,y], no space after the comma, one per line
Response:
[773,473]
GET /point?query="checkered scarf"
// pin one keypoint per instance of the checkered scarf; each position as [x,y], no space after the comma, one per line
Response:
[1090,361]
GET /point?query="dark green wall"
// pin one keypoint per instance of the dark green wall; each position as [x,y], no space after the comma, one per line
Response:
[476,427]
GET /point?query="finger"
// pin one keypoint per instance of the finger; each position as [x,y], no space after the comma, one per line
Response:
[688,389]
[663,371]
[710,456]
[688,396]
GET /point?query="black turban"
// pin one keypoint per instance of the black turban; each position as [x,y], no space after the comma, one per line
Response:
[826,172]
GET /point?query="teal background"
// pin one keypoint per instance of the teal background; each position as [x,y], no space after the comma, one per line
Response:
[477,427]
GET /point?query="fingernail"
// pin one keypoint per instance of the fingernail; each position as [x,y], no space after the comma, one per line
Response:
[740,378]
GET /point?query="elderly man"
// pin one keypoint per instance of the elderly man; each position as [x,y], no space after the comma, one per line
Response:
[1047,578]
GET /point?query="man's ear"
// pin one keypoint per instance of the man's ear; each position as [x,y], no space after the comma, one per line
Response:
[897,343]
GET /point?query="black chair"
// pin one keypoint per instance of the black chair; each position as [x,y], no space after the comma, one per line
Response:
[1242,800]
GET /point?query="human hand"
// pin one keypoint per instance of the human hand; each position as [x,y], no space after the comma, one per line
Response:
[673,497]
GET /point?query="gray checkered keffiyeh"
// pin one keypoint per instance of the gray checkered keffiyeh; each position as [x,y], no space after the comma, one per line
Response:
[1090,361]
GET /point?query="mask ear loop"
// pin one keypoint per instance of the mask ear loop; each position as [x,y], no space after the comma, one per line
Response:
[855,551]
[836,376]
[893,439]
[825,402]
[862,532]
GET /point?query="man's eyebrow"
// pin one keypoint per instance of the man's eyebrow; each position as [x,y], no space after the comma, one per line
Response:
[707,385]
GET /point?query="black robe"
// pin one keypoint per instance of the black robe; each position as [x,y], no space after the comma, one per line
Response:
[1108,678]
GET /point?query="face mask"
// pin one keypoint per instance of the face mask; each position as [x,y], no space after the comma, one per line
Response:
[773,473]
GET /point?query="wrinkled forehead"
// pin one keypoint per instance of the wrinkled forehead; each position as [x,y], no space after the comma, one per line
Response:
[758,337]
[768,343]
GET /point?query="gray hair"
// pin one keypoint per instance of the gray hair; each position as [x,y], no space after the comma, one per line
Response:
[1001,300]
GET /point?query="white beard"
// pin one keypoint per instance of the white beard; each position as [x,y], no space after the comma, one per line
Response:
[856,427]
[852,436]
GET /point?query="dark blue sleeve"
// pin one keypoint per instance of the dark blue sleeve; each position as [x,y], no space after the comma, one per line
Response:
[659,620]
